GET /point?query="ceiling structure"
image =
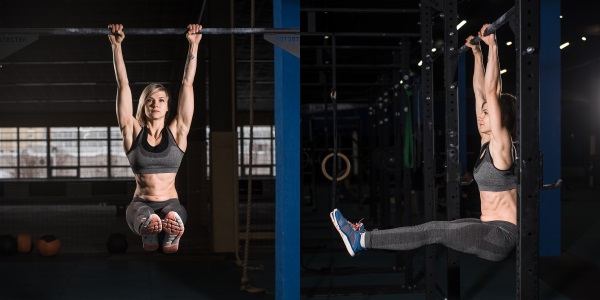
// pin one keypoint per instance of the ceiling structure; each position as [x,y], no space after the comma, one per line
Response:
[75,73]
[365,64]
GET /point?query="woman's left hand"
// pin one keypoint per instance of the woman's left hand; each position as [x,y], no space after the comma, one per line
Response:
[191,35]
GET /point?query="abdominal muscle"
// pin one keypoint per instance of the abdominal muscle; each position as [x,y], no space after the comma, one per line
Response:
[155,187]
[499,206]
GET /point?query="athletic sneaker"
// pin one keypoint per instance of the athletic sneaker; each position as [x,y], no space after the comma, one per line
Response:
[173,228]
[350,232]
[148,230]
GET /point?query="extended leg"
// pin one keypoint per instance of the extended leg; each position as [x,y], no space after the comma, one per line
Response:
[487,240]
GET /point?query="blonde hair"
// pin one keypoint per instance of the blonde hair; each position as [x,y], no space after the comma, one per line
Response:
[149,90]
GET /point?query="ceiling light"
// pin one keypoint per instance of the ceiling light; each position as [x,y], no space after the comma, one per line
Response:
[564,45]
[583,38]
[508,43]
[461,24]
[503,71]
[326,37]
[433,49]
[420,63]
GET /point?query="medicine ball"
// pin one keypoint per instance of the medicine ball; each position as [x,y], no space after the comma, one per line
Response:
[24,243]
[48,245]
[8,245]
[116,243]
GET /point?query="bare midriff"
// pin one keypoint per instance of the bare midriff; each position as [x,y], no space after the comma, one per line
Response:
[155,187]
[499,206]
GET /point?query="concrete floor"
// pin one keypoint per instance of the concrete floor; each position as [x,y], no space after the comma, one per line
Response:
[85,270]
[329,272]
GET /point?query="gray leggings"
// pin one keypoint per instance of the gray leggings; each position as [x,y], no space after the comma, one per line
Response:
[140,208]
[489,240]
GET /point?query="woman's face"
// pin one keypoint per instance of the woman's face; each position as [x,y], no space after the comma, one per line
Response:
[156,105]
[483,120]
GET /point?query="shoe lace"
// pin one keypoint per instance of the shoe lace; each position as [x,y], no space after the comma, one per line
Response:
[358,226]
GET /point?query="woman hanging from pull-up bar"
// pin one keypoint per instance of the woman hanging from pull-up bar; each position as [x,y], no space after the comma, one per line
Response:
[154,148]
[493,235]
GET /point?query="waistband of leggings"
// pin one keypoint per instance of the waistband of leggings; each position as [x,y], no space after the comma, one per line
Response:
[138,199]
[508,226]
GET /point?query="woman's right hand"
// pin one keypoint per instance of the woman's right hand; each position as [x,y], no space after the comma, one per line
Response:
[489,39]
[117,35]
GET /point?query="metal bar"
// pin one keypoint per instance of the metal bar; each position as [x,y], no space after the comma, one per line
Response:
[409,280]
[428,142]
[354,66]
[452,142]
[363,10]
[351,84]
[352,47]
[402,263]
[211,31]
[30,84]
[146,31]
[492,28]
[362,34]
[528,109]
[143,61]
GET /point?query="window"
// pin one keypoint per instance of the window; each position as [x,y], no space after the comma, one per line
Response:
[62,152]
[97,152]
[263,151]
[263,154]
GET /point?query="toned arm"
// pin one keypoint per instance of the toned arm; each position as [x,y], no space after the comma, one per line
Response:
[185,109]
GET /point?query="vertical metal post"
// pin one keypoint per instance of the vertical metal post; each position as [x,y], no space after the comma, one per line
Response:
[452,139]
[373,136]
[287,128]
[385,178]
[528,47]
[407,171]
[223,134]
[398,103]
[333,97]
[428,141]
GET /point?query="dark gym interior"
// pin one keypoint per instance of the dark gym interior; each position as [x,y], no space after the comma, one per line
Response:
[65,181]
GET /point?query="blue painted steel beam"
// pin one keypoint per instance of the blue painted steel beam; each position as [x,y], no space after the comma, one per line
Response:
[286,13]
[550,125]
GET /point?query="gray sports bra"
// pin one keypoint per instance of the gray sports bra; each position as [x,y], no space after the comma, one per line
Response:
[162,158]
[489,178]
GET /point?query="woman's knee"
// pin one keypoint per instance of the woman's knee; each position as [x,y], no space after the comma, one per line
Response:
[176,207]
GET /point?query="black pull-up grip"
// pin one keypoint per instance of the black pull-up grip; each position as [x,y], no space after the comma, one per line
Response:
[492,28]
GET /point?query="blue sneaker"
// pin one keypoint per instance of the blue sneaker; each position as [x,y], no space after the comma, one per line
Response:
[349,231]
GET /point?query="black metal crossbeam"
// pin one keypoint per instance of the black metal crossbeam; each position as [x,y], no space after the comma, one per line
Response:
[146,31]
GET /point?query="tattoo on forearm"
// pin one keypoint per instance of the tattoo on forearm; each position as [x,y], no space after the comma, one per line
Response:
[187,63]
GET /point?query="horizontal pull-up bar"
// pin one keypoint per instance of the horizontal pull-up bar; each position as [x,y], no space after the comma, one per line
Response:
[362,10]
[146,31]
[492,28]
[175,31]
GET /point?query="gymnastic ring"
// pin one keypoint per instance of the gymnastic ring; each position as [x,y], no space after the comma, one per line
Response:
[330,155]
